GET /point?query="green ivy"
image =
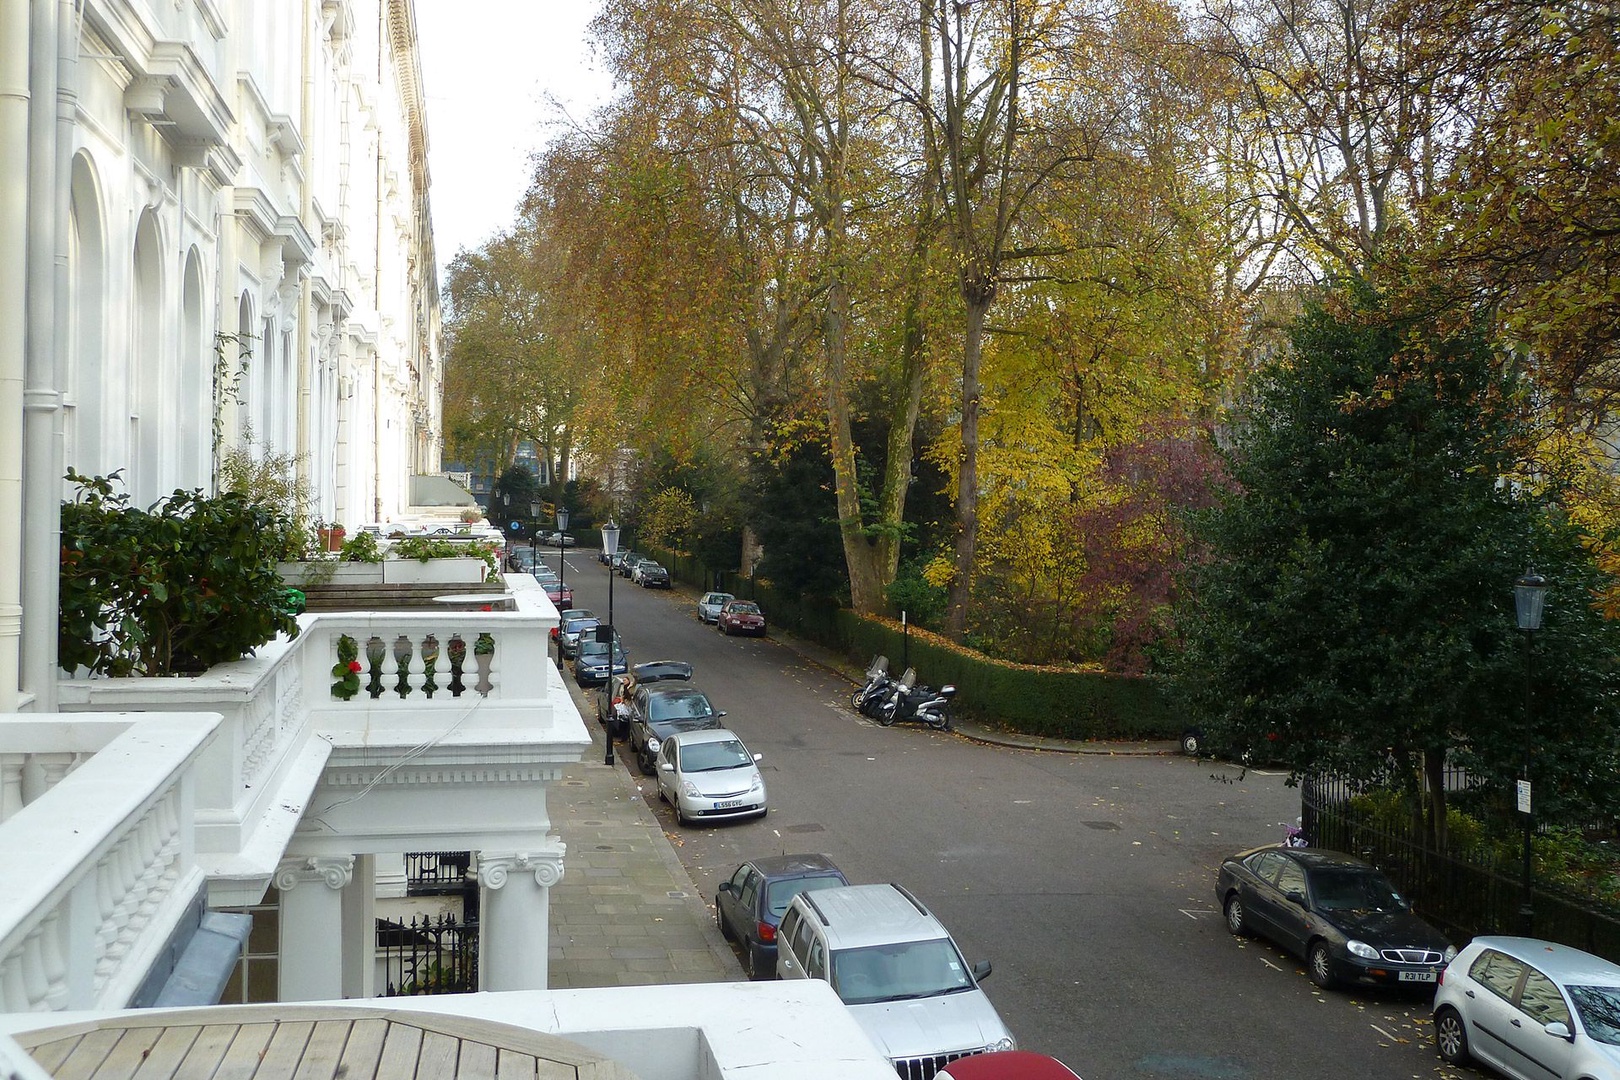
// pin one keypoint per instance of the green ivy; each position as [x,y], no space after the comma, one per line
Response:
[176,588]
[346,672]
[423,548]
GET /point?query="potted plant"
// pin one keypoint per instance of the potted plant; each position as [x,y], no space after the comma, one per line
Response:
[331,535]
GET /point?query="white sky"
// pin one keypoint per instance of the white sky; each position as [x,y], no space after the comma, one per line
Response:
[489,68]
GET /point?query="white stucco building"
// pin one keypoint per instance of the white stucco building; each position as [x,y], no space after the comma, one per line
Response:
[214,222]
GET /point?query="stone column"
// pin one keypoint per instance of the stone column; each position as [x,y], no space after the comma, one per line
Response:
[514,917]
[312,926]
[360,930]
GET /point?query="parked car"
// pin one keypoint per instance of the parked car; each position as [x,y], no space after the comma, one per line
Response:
[709,605]
[749,905]
[709,775]
[592,663]
[897,969]
[651,575]
[1341,915]
[556,539]
[622,687]
[520,560]
[1530,1010]
[625,562]
[659,710]
[740,617]
[570,629]
[561,593]
[1007,1065]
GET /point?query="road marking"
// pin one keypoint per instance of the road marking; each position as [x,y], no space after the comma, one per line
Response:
[1196,913]
[1269,964]
[1382,1032]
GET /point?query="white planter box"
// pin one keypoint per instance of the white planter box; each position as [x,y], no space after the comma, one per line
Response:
[433,571]
[299,574]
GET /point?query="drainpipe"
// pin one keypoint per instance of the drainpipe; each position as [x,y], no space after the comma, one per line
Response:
[305,288]
[14,38]
[42,400]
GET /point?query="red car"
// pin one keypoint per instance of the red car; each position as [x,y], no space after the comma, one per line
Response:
[561,595]
[1007,1065]
[740,617]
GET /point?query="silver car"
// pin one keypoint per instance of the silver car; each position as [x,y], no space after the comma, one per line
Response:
[708,775]
[709,605]
[1530,1009]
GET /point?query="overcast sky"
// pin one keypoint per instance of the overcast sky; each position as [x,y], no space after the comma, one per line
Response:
[488,70]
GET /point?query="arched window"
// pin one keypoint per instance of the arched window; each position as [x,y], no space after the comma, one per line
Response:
[85,411]
[147,437]
[196,370]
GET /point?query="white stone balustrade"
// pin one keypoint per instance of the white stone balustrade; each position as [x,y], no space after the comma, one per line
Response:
[101,867]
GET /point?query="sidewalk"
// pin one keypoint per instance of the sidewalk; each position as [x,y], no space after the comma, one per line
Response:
[626,912]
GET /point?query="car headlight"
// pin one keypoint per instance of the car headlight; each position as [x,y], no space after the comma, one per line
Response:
[1450,953]
[652,745]
[1362,949]
[757,784]
[1005,1043]
[690,790]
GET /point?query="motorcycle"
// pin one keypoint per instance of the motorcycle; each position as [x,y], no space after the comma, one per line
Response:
[867,699]
[910,701]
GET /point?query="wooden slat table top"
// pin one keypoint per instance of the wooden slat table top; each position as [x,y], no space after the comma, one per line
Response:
[300,1042]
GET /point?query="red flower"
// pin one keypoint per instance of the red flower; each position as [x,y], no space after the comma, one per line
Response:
[354,666]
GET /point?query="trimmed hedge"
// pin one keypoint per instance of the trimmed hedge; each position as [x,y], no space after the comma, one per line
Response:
[1051,702]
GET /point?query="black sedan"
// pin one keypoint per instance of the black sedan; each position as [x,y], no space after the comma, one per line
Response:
[750,904]
[659,711]
[1338,913]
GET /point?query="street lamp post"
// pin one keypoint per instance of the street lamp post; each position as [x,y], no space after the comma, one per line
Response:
[534,522]
[562,527]
[610,548]
[1529,597]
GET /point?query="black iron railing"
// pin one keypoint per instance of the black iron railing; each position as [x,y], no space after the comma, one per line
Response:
[428,955]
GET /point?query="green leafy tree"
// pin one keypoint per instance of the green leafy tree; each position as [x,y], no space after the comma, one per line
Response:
[1353,607]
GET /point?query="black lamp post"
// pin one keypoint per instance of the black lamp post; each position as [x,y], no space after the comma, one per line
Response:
[610,548]
[562,528]
[1529,597]
[534,528]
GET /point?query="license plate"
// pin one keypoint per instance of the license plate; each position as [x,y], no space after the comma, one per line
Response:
[1416,976]
[728,804]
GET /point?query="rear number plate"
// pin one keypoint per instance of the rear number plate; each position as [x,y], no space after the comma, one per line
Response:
[1416,976]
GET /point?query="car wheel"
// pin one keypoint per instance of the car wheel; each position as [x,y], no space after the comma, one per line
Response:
[1190,744]
[1451,1037]
[720,920]
[1235,922]
[756,966]
[1319,965]
[680,815]
[645,767]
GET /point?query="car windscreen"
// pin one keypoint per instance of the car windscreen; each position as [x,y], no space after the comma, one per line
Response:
[574,626]
[665,728]
[1599,1010]
[714,756]
[1349,889]
[678,706]
[779,894]
[744,609]
[896,972]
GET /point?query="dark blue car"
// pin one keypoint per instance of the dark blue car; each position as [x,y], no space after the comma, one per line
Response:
[750,904]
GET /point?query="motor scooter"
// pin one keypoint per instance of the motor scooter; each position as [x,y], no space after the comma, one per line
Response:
[909,701]
[868,698]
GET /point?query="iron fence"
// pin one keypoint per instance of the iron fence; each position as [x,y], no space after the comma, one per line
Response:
[436,873]
[1467,891]
[428,955]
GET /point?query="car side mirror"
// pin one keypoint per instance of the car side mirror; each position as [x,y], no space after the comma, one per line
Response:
[981,971]
[727,887]
[1297,897]
[1560,1030]
[759,757]
[664,766]
[722,712]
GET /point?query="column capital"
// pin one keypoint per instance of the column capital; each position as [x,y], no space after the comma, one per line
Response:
[334,871]
[495,867]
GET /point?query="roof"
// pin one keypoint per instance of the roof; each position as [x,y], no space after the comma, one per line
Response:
[1008,1065]
[1560,962]
[275,1042]
[855,916]
[714,734]
[774,866]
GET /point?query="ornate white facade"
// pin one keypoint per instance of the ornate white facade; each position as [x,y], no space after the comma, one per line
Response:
[213,222]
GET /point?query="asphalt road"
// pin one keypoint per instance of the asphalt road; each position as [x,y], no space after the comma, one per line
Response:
[1086,879]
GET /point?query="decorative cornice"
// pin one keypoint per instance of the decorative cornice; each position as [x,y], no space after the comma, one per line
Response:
[340,775]
[334,871]
[493,871]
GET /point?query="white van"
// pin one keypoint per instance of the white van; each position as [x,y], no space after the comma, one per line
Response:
[897,970]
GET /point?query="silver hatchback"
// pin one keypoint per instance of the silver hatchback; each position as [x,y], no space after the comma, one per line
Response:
[1530,1009]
